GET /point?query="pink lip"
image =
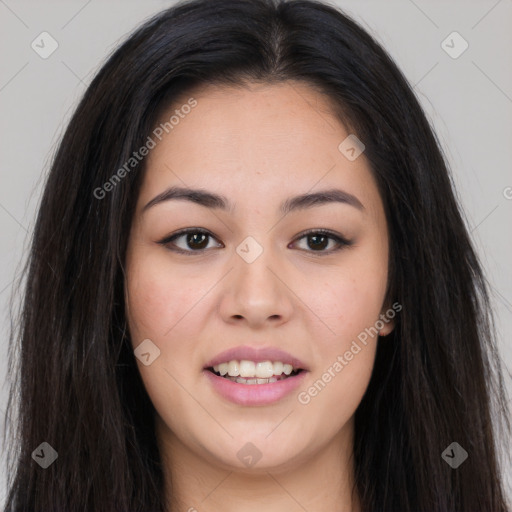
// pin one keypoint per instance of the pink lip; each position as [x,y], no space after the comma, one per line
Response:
[257,355]
[254,394]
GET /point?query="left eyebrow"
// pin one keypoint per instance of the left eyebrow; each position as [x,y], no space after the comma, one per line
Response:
[216,201]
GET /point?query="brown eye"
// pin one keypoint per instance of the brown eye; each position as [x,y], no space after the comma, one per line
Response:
[195,240]
[318,241]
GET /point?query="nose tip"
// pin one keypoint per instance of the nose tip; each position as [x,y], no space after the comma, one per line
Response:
[256,293]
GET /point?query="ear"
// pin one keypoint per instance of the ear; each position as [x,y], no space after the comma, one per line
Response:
[389,325]
[388,318]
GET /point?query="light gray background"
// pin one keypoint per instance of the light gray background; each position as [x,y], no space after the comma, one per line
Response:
[468,99]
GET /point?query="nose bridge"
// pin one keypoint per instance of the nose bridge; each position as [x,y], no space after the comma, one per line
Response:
[253,261]
[256,291]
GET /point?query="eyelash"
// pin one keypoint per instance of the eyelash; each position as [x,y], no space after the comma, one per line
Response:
[339,239]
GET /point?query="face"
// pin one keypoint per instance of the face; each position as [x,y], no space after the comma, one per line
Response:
[249,277]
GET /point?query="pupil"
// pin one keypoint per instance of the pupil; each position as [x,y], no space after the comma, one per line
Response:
[316,237]
[192,237]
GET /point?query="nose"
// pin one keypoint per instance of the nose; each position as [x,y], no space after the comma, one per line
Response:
[257,292]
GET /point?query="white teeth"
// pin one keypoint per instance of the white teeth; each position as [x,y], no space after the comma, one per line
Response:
[245,369]
[223,368]
[278,368]
[241,380]
[264,369]
[233,369]
[287,368]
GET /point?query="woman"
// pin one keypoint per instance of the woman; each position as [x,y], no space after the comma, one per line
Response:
[262,369]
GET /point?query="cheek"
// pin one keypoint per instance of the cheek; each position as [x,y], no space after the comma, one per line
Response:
[349,297]
[167,307]
[161,307]
[350,302]
[345,359]
[158,298]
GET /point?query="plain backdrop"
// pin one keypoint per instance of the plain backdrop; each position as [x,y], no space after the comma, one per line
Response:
[468,99]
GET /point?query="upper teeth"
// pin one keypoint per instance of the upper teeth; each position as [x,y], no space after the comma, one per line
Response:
[262,370]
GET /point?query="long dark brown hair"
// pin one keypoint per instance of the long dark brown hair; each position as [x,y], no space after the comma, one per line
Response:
[75,384]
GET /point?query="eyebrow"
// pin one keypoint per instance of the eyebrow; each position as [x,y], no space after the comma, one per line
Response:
[216,201]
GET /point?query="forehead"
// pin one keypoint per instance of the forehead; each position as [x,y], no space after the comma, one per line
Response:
[256,118]
[260,140]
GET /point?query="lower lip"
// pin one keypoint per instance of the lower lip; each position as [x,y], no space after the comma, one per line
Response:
[254,394]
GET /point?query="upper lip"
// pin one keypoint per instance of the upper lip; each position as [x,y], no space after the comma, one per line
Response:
[257,355]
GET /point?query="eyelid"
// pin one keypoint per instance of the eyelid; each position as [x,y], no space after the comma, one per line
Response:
[339,239]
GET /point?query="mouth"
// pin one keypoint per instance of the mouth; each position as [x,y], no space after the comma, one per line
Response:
[251,383]
[250,376]
[254,373]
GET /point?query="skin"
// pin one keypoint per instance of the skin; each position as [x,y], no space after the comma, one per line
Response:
[257,146]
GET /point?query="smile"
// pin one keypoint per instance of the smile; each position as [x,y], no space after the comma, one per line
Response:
[250,372]
[253,390]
